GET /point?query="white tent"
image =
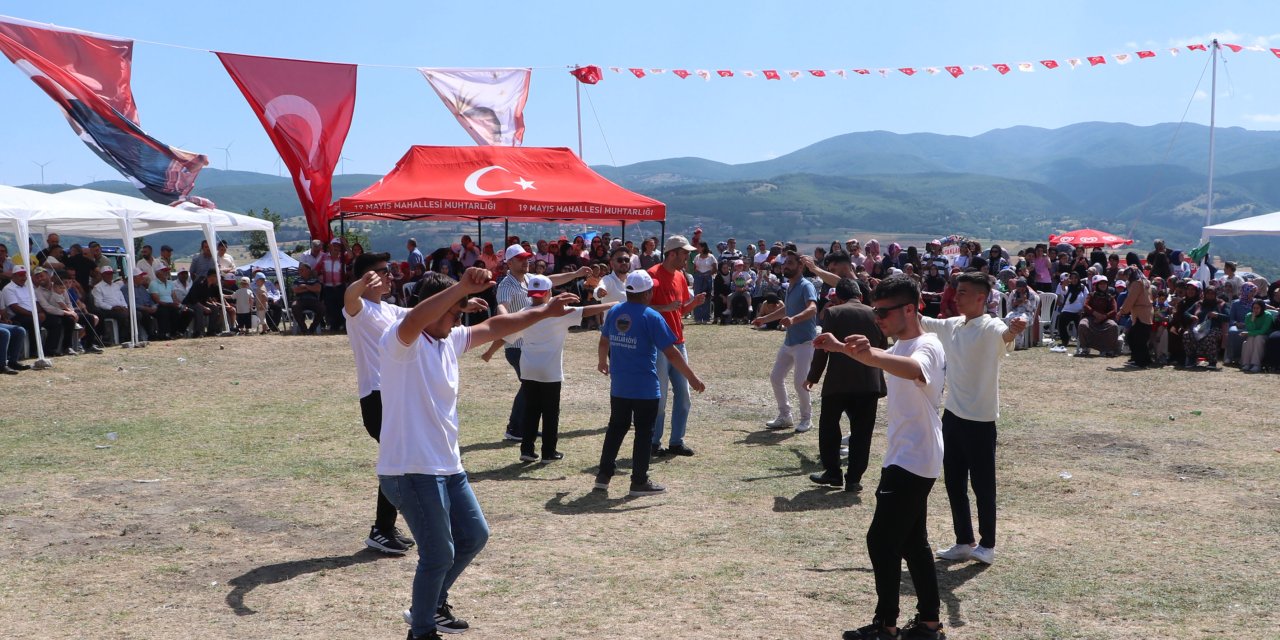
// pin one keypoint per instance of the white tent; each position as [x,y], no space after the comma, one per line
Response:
[269,261]
[1263,225]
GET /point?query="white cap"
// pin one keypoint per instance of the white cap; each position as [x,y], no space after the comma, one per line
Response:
[515,251]
[639,281]
[539,285]
[137,272]
[160,265]
[19,268]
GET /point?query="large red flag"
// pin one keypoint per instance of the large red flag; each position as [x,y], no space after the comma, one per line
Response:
[306,109]
[589,74]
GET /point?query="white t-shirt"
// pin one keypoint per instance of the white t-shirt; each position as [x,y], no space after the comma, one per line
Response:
[244,300]
[707,265]
[13,294]
[975,350]
[364,332]
[915,429]
[420,404]
[542,356]
[615,289]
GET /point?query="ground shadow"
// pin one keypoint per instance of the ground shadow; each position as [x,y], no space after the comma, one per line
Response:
[513,471]
[285,571]
[766,436]
[591,502]
[841,570]
[816,499]
[807,465]
[950,577]
[503,444]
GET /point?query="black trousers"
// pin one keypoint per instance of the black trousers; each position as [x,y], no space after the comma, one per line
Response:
[969,455]
[861,410]
[93,330]
[1065,320]
[898,533]
[541,403]
[371,413]
[315,306]
[623,412]
[1139,340]
[60,328]
[332,296]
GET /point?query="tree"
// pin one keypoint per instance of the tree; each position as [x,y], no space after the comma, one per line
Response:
[258,239]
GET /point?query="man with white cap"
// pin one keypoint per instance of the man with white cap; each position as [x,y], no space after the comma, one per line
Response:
[19,303]
[513,296]
[671,298]
[631,337]
[168,304]
[110,301]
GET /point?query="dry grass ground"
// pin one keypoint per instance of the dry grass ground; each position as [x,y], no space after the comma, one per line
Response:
[236,498]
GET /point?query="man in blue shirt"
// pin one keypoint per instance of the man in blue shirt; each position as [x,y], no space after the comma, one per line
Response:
[631,336]
[798,317]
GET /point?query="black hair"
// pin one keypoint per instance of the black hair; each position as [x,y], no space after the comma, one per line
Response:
[838,256]
[432,282]
[772,298]
[615,252]
[975,278]
[900,288]
[366,261]
[847,289]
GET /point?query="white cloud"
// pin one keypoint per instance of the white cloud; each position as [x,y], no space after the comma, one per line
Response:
[1263,118]
[1201,94]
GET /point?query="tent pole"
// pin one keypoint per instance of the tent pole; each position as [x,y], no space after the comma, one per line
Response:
[24,252]
[624,231]
[274,248]
[1213,105]
[222,299]
[479,235]
[663,238]
[342,227]
[577,87]
[130,263]
[506,231]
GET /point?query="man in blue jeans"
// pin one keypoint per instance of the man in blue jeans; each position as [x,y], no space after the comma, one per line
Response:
[419,462]
[671,299]
[12,337]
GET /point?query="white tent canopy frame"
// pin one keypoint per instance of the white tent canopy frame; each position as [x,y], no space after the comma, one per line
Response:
[1263,225]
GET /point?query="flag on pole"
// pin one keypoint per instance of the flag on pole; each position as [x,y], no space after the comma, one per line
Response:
[589,74]
[1146,54]
[1096,60]
[1001,67]
[306,110]
[681,72]
[88,76]
[955,71]
[638,73]
[488,103]
[1049,64]
[771,74]
[1204,270]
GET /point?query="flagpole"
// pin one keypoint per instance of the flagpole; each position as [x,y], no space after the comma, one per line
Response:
[1213,105]
[577,86]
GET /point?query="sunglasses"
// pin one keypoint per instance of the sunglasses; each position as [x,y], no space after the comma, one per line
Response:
[621,260]
[384,270]
[883,312]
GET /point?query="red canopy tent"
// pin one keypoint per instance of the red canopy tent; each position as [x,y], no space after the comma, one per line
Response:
[492,183]
[1086,238]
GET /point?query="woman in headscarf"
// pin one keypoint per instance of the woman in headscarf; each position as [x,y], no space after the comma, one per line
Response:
[1098,328]
[1258,325]
[1239,309]
[1203,334]
[891,261]
[872,261]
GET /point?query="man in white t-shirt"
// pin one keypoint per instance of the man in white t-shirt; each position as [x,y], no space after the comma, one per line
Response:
[612,287]
[419,462]
[916,364]
[542,370]
[368,318]
[975,346]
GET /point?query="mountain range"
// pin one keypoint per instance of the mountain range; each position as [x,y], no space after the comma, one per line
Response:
[1017,184]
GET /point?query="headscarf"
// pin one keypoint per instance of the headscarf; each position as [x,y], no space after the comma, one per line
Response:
[1247,291]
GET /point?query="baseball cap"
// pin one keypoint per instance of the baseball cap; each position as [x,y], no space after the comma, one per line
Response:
[244,280]
[539,286]
[333,241]
[259,276]
[515,251]
[107,269]
[137,272]
[639,281]
[160,265]
[19,268]
[1099,278]
[677,242]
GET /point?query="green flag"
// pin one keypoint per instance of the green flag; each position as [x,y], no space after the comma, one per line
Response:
[1197,255]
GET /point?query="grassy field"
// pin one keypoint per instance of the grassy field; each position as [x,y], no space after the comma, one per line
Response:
[234,500]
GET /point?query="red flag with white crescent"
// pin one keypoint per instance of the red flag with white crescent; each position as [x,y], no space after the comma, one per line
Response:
[1096,60]
[1196,47]
[638,73]
[589,74]
[867,72]
[818,73]
[908,71]
[681,72]
[306,109]
[1049,64]
[955,72]
[771,74]
[1001,67]
[1235,48]
[1276,52]
[724,73]
[1146,54]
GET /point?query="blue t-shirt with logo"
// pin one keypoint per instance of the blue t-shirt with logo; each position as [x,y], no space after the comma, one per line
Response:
[636,334]
[799,294]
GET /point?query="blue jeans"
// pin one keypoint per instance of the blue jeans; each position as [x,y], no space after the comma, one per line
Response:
[703,283]
[680,408]
[515,423]
[12,337]
[446,521]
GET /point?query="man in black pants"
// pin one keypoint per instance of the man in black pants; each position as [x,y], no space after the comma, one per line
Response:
[912,460]
[851,388]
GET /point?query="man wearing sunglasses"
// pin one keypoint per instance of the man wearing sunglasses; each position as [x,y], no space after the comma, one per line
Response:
[612,287]
[912,459]
[975,346]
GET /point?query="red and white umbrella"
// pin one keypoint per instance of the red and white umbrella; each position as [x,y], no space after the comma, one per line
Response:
[1090,238]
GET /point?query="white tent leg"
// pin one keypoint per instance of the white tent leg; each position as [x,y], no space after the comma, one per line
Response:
[222,300]
[126,232]
[275,259]
[24,251]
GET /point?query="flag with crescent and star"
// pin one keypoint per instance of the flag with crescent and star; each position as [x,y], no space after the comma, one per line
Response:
[306,109]
[88,76]
[488,103]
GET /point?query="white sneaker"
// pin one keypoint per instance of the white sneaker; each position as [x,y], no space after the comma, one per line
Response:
[983,555]
[805,425]
[780,422]
[1058,349]
[957,552]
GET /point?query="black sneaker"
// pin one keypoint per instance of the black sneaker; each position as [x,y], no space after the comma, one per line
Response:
[916,630]
[873,631]
[402,538]
[679,450]
[446,622]
[380,541]
[552,458]
[827,478]
[649,488]
[852,487]
[431,635]
[657,451]
[19,366]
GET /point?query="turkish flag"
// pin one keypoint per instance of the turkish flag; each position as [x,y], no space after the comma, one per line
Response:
[725,73]
[639,73]
[818,73]
[1146,54]
[589,74]
[1235,48]
[908,70]
[1276,52]
[867,72]
[306,109]
[1049,64]
[1196,47]
[1096,60]
[771,74]
[1001,67]
[955,72]
[681,72]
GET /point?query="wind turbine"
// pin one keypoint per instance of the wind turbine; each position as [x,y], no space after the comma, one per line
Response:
[42,165]
[226,161]
[343,160]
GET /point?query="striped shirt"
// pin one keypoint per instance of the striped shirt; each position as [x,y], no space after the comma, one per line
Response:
[514,296]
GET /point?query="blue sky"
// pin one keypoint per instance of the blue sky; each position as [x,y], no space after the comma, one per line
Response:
[185,98]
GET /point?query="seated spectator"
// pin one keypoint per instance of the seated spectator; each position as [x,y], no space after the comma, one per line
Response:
[143,302]
[171,317]
[12,339]
[110,302]
[205,304]
[770,304]
[1025,304]
[58,317]
[1097,328]
[1203,334]
[306,297]
[1237,311]
[1257,326]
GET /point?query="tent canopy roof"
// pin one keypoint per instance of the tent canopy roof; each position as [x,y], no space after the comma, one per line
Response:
[1263,225]
[479,183]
